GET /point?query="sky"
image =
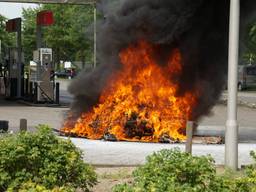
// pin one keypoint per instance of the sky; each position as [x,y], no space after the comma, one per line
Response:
[13,10]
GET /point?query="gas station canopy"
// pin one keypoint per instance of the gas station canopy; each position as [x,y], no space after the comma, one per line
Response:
[78,2]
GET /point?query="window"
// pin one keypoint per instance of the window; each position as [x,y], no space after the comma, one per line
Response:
[251,71]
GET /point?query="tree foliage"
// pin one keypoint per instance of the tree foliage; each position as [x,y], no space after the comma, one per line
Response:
[249,54]
[68,37]
[29,32]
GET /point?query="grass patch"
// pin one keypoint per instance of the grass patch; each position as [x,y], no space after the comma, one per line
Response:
[115,173]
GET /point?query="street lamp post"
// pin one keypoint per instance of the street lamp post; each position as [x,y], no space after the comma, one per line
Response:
[231,137]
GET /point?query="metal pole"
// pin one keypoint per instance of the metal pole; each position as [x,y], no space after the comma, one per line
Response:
[95,37]
[23,125]
[57,93]
[231,137]
[38,36]
[20,75]
[189,134]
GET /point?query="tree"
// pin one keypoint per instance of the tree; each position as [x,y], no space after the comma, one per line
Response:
[67,37]
[250,43]
[29,32]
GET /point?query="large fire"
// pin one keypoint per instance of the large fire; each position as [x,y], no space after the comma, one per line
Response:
[139,102]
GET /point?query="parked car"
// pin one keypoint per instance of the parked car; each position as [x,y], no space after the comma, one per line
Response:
[62,74]
[246,76]
[67,73]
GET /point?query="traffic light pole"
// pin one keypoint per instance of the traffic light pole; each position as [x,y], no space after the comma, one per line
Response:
[231,135]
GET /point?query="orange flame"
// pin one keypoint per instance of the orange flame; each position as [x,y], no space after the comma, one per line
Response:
[140,103]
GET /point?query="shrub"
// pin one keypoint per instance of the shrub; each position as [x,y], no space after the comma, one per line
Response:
[248,183]
[173,170]
[34,187]
[44,160]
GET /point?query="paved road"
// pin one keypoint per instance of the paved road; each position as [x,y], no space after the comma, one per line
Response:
[123,153]
[54,115]
[245,97]
[65,96]
[13,112]
[246,116]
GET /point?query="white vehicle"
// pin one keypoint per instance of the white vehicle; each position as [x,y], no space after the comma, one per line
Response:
[246,76]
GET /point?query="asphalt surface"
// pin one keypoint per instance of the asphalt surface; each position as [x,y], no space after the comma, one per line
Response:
[128,153]
[54,116]
[13,112]
[65,97]
[244,96]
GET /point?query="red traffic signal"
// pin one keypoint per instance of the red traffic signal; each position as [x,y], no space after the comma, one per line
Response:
[45,18]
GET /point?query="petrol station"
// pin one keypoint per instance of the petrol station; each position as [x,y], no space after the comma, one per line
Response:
[38,85]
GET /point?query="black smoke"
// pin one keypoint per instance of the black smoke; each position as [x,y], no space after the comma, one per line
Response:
[199,28]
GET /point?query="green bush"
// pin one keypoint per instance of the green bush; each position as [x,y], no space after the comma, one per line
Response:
[248,182]
[43,160]
[175,171]
[34,187]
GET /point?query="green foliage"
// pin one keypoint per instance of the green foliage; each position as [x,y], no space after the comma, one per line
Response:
[248,183]
[174,171]
[34,187]
[68,37]
[29,32]
[44,160]
[251,37]
[249,40]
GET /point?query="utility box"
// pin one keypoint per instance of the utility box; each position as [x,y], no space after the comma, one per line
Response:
[41,74]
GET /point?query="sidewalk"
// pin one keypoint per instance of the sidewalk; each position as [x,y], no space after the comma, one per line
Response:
[103,153]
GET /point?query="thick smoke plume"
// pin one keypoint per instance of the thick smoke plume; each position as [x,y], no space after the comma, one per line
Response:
[199,28]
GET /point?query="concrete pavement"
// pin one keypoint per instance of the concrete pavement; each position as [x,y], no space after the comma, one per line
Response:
[13,112]
[245,98]
[65,97]
[103,153]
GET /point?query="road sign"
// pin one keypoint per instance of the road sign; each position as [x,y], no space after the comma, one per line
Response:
[12,25]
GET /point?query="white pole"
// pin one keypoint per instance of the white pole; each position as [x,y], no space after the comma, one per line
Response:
[95,38]
[231,137]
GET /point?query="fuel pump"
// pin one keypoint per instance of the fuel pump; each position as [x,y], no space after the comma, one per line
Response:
[41,75]
[12,73]
[15,66]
